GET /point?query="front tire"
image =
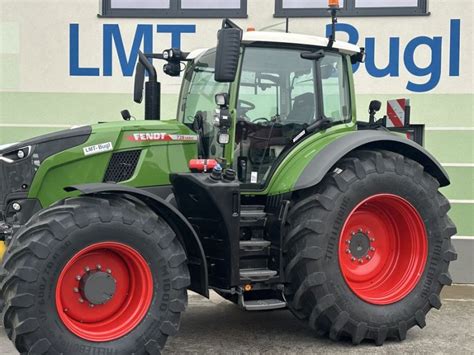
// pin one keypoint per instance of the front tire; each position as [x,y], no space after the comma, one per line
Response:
[367,253]
[102,274]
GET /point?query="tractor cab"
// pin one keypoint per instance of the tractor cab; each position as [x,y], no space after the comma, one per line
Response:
[284,85]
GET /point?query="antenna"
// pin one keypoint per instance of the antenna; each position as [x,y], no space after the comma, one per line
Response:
[287,29]
[333,9]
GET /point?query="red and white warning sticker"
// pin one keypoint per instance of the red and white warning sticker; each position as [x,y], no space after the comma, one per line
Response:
[396,112]
[159,136]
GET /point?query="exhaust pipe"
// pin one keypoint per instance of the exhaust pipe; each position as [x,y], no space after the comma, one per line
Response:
[152,88]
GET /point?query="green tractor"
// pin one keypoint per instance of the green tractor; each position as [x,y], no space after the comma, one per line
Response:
[265,189]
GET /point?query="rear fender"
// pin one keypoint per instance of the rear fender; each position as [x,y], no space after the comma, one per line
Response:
[321,163]
[183,229]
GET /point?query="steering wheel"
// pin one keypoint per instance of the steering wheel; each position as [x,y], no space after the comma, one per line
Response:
[245,105]
[261,119]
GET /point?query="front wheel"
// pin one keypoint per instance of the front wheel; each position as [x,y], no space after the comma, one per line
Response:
[367,254]
[102,274]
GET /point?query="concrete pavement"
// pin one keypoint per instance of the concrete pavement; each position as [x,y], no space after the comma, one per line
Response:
[216,326]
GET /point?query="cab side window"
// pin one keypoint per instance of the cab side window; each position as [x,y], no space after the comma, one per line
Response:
[335,88]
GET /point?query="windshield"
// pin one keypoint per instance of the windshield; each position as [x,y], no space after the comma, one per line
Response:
[198,102]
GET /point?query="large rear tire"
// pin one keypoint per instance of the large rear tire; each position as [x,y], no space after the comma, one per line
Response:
[367,251]
[96,275]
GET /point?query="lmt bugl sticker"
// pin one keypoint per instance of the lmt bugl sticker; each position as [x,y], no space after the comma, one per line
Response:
[98,148]
[158,136]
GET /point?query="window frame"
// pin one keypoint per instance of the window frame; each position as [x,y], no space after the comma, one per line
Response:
[350,10]
[174,11]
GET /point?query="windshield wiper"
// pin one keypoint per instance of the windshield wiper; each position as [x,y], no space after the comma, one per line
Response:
[200,70]
[319,125]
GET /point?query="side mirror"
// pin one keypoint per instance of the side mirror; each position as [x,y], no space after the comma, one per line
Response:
[374,106]
[229,39]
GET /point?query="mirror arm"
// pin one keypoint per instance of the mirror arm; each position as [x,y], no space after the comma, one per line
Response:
[148,66]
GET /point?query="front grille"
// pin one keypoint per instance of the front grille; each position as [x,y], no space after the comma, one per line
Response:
[122,166]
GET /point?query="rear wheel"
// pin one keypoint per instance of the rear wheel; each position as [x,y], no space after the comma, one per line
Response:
[103,274]
[367,253]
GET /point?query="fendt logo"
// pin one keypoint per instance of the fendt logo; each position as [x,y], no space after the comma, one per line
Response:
[397,56]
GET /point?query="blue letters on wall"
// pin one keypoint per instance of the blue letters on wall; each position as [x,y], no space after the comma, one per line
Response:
[426,77]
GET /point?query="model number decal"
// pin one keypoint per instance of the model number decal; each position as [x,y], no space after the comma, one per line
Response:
[157,136]
[98,148]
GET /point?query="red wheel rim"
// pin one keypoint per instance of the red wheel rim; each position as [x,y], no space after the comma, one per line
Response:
[383,249]
[127,306]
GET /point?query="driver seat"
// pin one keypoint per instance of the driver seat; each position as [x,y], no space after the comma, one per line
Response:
[303,110]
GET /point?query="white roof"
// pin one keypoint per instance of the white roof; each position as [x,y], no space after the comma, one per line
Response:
[294,38]
[289,38]
[196,53]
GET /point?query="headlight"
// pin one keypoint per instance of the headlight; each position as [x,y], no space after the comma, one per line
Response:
[16,154]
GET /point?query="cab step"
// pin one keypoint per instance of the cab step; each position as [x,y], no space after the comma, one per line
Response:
[252,216]
[262,305]
[254,244]
[257,275]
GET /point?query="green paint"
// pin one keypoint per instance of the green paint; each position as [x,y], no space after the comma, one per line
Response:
[462,184]
[462,216]
[74,109]
[290,169]
[16,134]
[451,146]
[157,161]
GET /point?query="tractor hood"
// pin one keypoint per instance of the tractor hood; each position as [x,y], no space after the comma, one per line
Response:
[135,153]
[20,161]
[50,143]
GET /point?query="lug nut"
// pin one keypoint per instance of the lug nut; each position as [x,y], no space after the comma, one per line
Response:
[76,290]
[348,241]
[109,271]
[348,251]
[78,277]
[87,268]
[372,249]
[361,261]
[99,266]
[66,310]
[353,233]
[372,240]
[353,259]
[360,230]
[91,305]
[368,257]
[81,300]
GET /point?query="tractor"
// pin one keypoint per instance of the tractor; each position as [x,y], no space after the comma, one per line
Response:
[265,189]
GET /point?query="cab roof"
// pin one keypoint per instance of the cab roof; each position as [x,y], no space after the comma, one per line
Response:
[287,38]
[294,38]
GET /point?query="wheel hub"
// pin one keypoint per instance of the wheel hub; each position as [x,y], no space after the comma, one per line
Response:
[97,287]
[359,245]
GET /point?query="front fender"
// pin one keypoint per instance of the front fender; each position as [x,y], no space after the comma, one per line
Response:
[323,161]
[185,232]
